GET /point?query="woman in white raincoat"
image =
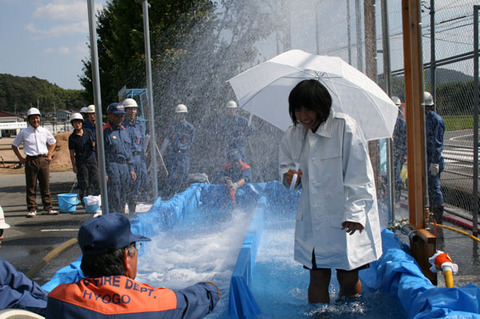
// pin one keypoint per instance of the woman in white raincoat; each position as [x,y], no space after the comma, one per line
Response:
[337,222]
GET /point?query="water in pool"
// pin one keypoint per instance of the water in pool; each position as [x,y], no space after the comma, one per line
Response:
[280,284]
[203,248]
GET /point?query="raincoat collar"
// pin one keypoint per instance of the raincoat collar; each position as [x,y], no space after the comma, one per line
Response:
[325,129]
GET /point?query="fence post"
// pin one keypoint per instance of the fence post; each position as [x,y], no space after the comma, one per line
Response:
[476,8]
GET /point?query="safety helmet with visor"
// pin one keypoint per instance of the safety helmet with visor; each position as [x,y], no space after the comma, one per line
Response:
[396,100]
[129,102]
[90,109]
[181,108]
[33,111]
[427,99]
[231,105]
[76,116]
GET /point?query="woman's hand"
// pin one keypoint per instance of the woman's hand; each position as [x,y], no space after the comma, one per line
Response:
[351,227]
[290,173]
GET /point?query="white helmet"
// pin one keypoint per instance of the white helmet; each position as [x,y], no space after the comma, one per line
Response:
[231,105]
[76,116]
[130,103]
[181,108]
[427,99]
[84,109]
[90,109]
[33,111]
[396,100]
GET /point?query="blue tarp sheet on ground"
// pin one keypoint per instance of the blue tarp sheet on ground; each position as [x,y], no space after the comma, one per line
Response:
[396,272]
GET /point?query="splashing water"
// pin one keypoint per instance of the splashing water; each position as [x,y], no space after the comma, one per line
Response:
[204,248]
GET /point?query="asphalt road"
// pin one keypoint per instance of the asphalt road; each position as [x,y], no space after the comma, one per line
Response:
[42,245]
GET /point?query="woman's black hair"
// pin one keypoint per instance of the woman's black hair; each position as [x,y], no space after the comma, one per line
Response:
[311,95]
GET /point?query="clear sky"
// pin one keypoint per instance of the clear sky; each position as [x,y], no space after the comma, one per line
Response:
[45,38]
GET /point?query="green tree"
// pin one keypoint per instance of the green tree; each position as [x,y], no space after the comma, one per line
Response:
[20,93]
[121,43]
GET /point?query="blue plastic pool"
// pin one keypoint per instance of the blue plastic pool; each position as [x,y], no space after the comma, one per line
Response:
[247,249]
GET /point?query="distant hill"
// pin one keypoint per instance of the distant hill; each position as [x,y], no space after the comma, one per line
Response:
[444,76]
[20,93]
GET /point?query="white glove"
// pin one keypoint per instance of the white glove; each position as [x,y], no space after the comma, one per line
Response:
[233,186]
[434,169]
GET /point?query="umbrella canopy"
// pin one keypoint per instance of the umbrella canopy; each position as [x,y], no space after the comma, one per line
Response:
[263,90]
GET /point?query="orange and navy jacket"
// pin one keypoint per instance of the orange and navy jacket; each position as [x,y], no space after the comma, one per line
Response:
[122,297]
[237,173]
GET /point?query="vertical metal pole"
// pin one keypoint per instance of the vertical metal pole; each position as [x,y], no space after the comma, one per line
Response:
[476,8]
[98,106]
[433,59]
[349,36]
[148,64]
[358,26]
[317,27]
[388,89]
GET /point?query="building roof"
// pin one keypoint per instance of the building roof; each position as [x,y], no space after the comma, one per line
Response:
[6,114]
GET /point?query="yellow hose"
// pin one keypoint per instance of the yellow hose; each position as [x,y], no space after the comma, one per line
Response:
[448,273]
[460,231]
[448,278]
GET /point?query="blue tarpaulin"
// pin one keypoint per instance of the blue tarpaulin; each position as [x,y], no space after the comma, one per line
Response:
[396,272]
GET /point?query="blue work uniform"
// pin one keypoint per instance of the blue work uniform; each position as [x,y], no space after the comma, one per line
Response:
[121,297]
[435,129]
[86,162]
[20,292]
[181,136]
[233,131]
[136,130]
[87,125]
[399,149]
[118,164]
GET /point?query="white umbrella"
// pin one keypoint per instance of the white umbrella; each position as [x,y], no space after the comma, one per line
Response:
[263,90]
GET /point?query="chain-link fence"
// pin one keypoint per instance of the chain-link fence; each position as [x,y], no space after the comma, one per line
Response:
[447,33]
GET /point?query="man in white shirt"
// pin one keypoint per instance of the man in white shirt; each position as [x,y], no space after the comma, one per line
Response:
[38,145]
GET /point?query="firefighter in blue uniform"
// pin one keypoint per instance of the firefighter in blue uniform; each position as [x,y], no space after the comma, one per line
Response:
[136,130]
[118,158]
[178,142]
[435,129]
[234,129]
[399,147]
[16,289]
[89,122]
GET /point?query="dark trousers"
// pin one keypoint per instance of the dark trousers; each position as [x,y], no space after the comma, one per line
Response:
[87,179]
[38,168]
[139,186]
[178,165]
[118,182]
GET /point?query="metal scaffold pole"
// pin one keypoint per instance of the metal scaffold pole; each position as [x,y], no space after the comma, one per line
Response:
[98,106]
[148,65]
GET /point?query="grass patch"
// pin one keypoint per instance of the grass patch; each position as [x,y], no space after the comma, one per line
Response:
[458,122]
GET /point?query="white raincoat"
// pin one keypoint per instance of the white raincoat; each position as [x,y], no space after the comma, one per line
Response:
[337,185]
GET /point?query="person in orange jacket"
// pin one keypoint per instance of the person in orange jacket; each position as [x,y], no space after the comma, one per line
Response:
[236,173]
[109,262]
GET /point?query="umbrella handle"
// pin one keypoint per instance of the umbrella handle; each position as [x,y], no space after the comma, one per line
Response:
[294,178]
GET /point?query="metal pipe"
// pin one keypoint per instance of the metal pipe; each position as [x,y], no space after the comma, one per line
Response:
[476,8]
[148,64]
[410,231]
[388,89]
[358,29]
[433,64]
[98,106]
